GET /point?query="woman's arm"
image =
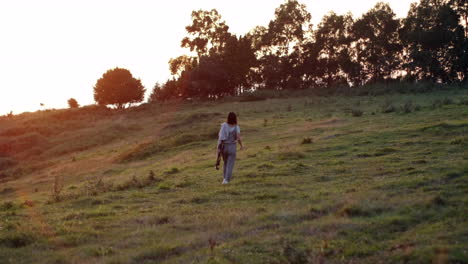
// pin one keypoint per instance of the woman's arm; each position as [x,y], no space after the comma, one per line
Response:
[240,141]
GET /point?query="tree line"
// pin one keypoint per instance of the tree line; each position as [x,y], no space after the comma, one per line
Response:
[429,44]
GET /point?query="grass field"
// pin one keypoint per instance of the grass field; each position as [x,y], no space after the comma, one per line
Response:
[364,179]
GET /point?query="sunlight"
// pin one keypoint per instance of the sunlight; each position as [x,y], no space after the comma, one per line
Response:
[53,50]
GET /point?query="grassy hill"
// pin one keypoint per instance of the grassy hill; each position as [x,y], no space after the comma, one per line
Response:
[364,179]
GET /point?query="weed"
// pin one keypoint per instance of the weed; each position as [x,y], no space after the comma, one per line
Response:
[265,122]
[408,107]
[463,101]
[388,107]
[447,101]
[293,254]
[212,244]
[457,141]
[156,254]
[5,206]
[436,104]
[17,240]
[266,166]
[151,176]
[100,251]
[57,188]
[164,186]
[307,140]
[266,196]
[290,155]
[172,170]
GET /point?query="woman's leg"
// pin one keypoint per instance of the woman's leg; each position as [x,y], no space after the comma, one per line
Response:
[230,161]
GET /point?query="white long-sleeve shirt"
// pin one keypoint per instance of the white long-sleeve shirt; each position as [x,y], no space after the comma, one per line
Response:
[225,130]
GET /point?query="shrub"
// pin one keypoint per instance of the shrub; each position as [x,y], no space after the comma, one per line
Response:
[7,206]
[356,112]
[408,107]
[388,107]
[164,186]
[294,254]
[306,140]
[16,240]
[72,103]
[456,141]
[6,163]
[291,155]
[436,104]
[447,101]
[172,170]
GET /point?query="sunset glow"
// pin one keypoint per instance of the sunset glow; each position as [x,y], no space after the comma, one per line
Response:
[53,50]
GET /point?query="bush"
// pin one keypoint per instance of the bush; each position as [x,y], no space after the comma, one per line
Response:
[436,104]
[447,101]
[306,140]
[72,103]
[408,107]
[356,112]
[17,240]
[6,163]
[172,170]
[463,101]
[388,107]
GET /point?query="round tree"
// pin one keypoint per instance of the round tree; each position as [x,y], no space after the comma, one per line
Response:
[118,87]
[72,103]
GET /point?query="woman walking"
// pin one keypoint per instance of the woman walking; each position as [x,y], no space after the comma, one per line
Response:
[229,135]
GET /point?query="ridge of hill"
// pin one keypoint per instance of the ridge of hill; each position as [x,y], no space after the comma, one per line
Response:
[322,179]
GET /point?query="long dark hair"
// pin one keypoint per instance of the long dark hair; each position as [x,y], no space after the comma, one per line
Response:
[232,118]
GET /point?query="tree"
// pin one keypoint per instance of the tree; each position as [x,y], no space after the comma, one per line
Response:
[287,30]
[461,7]
[435,42]
[279,46]
[72,103]
[330,52]
[378,47]
[181,63]
[118,87]
[208,33]
[239,59]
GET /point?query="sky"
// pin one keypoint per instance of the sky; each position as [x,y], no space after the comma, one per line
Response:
[53,50]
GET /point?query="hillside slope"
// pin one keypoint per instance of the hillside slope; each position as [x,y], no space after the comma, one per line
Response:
[322,179]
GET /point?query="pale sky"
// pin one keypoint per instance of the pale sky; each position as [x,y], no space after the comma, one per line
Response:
[52,50]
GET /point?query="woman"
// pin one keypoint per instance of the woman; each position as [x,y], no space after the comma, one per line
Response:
[229,135]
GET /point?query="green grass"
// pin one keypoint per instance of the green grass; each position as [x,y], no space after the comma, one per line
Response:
[314,184]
